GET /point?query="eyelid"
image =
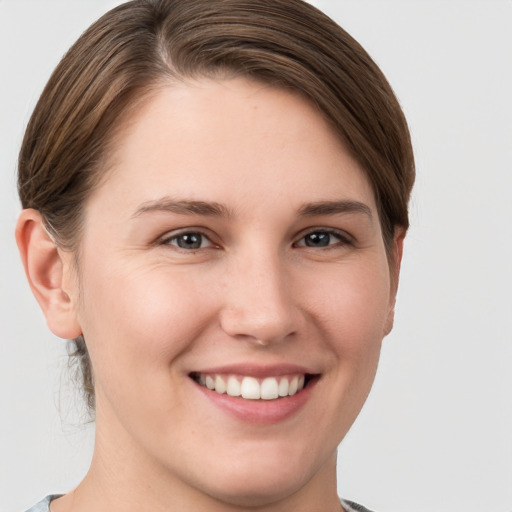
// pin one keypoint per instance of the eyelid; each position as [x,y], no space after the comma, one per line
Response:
[175,233]
[345,238]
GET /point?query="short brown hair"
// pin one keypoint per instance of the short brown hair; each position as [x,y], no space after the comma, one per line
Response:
[143,45]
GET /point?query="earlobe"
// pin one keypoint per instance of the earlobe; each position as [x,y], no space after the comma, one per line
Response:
[394,265]
[46,269]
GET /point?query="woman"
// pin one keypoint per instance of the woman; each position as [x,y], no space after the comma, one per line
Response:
[215,201]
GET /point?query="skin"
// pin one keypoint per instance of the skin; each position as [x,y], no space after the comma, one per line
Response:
[255,292]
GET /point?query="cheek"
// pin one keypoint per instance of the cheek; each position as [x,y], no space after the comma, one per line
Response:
[137,322]
[352,308]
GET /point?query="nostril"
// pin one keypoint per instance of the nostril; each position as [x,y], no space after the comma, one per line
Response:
[259,331]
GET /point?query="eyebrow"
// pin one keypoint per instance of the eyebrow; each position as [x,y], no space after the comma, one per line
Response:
[334,207]
[184,207]
[214,209]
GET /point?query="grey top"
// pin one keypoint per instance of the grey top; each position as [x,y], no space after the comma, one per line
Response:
[44,505]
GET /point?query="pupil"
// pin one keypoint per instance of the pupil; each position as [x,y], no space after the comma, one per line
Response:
[190,241]
[317,239]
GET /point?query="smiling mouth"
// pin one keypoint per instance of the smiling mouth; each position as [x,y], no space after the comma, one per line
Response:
[252,388]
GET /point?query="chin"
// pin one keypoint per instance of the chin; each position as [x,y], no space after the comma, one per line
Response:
[261,480]
[257,490]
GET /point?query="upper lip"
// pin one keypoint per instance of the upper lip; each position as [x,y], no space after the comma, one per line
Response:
[255,370]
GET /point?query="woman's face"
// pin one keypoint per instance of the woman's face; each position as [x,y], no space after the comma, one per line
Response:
[235,243]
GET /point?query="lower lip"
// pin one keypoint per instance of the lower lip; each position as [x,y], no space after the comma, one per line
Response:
[259,412]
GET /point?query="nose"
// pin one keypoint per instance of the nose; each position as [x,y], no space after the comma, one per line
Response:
[259,304]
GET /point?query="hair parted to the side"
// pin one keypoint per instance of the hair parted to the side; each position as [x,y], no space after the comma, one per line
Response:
[144,45]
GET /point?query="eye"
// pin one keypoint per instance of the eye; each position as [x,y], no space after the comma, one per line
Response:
[190,240]
[323,238]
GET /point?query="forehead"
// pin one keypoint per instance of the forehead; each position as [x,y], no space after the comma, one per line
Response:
[228,138]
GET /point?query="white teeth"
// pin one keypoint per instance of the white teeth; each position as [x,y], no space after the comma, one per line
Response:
[234,387]
[283,387]
[251,388]
[294,384]
[210,383]
[220,385]
[269,388]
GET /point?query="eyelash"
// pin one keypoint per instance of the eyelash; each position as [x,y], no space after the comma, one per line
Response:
[342,237]
[175,237]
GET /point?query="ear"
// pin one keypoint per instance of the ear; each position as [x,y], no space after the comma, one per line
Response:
[394,269]
[48,270]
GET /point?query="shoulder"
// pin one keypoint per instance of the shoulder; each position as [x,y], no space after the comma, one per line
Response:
[350,506]
[44,504]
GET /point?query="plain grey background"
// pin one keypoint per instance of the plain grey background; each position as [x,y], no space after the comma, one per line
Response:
[436,433]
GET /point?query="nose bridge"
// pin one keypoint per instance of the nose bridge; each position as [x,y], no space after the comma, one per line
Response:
[258,303]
